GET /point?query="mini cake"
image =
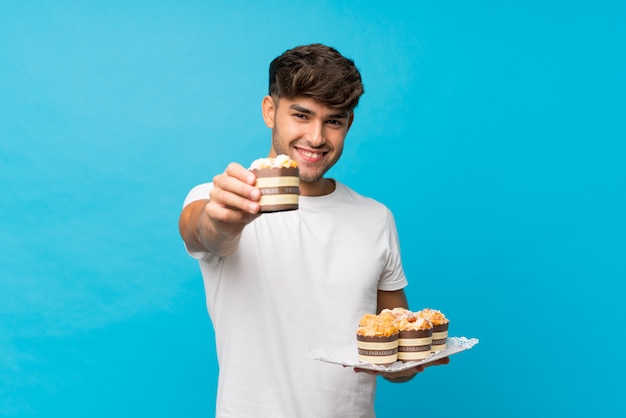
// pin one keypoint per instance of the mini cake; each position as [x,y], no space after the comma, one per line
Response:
[415,339]
[440,328]
[414,336]
[377,339]
[279,182]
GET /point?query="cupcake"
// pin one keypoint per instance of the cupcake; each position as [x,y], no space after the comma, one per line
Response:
[377,339]
[414,339]
[440,328]
[279,182]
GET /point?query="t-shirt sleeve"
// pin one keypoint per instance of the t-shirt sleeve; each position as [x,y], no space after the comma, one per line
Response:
[199,192]
[393,277]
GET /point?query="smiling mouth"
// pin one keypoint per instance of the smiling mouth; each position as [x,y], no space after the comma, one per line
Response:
[311,155]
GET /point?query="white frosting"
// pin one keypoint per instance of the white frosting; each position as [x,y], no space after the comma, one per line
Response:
[281,160]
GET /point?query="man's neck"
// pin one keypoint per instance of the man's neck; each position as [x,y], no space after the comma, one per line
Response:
[321,187]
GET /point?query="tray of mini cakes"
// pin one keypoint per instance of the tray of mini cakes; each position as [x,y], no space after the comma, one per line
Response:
[398,339]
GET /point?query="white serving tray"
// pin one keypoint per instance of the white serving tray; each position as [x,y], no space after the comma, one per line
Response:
[347,355]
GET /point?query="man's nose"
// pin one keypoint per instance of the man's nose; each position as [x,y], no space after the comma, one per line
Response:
[315,134]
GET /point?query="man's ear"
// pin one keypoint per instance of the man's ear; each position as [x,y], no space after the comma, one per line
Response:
[269,111]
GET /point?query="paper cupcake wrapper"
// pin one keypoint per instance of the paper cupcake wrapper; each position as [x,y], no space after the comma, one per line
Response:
[414,345]
[280,188]
[440,336]
[378,350]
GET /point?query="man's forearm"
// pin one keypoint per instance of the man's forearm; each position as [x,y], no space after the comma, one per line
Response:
[200,234]
[212,241]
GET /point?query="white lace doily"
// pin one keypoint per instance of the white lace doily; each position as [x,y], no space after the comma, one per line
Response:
[347,355]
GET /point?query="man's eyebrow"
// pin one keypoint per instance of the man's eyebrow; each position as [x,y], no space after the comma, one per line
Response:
[342,115]
[301,109]
[298,108]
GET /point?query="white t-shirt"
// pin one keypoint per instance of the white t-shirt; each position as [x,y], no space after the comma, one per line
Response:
[299,280]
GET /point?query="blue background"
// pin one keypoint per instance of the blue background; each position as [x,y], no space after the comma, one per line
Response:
[494,130]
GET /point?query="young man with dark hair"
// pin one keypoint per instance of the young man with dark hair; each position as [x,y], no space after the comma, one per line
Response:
[280,285]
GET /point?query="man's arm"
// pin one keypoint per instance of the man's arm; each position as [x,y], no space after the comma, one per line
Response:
[390,300]
[197,231]
[215,224]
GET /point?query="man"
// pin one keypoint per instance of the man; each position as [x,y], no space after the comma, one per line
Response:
[282,284]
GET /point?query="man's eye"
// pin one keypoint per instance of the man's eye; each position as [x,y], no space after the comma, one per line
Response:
[334,122]
[300,115]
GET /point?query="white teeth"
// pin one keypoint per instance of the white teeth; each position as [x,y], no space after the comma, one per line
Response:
[311,154]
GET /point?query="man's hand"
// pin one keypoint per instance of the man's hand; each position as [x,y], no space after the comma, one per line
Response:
[215,224]
[234,199]
[405,375]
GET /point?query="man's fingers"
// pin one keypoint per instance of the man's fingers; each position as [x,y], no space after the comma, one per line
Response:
[241,173]
[238,200]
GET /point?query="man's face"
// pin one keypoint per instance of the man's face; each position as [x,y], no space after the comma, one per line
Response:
[309,132]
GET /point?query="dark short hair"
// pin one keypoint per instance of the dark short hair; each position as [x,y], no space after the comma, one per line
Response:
[319,72]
